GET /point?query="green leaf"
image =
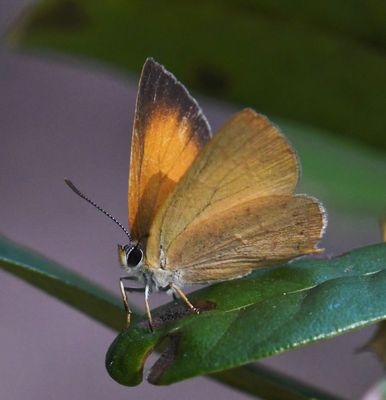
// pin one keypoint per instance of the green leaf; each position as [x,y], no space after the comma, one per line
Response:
[269,312]
[107,309]
[308,62]
[61,283]
[316,62]
[101,305]
[343,175]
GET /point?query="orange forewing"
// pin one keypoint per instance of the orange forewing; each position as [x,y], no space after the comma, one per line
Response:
[169,132]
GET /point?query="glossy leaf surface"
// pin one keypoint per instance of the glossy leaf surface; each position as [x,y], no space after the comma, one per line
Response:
[267,313]
[99,304]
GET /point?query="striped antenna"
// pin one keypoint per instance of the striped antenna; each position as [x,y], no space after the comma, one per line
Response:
[80,194]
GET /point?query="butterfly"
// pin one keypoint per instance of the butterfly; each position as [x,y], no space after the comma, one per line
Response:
[205,209]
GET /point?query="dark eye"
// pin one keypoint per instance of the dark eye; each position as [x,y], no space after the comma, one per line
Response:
[134,256]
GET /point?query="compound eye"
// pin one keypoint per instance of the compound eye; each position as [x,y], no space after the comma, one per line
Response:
[134,256]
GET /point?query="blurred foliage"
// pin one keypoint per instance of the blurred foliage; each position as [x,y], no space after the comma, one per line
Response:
[267,384]
[306,62]
[377,343]
[67,286]
[320,63]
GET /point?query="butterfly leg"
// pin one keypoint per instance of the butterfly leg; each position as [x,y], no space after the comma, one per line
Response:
[184,298]
[147,291]
[125,289]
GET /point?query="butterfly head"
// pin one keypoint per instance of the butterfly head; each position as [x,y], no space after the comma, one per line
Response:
[130,256]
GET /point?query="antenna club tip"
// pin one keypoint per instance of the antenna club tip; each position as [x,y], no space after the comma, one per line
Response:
[74,188]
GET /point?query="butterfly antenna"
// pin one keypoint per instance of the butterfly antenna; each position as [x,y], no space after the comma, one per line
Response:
[80,194]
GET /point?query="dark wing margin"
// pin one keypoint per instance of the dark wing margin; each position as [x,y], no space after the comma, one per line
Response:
[169,131]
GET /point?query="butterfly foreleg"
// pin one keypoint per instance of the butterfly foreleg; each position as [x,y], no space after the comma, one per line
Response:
[148,313]
[125,289]
[184,298]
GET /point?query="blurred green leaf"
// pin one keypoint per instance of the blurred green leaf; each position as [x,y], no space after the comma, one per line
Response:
[304,61]
[377,343]
[268,384]
[267,313]
[321,63]
[343,175]
[106,308]
[61,283]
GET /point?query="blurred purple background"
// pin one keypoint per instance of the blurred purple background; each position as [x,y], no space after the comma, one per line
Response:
[70,119]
